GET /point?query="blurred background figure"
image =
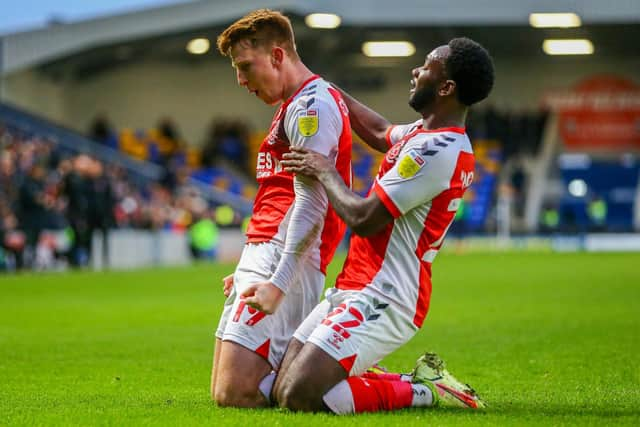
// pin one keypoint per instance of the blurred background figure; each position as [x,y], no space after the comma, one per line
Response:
[102,132]
[12,242]
[549,219]
[34,206]
[76,189]
[90,205]
[597,212]
[101,204]
[203,237]
[227,144]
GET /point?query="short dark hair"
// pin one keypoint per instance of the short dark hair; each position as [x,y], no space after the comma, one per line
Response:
[471,67]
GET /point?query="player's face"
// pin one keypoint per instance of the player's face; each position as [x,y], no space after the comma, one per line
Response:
[256,70]
[427,78]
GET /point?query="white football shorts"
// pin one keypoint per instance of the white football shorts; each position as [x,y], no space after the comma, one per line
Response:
[357,329]
[268,335]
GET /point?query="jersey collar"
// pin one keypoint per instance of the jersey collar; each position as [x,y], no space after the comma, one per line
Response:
[306,82]
[454,129]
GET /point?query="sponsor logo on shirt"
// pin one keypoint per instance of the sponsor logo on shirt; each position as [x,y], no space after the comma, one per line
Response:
[394,151]
[308,123]
[466,178]
[267,165]
[410,164]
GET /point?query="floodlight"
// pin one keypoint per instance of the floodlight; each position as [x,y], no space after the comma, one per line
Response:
[554,20]
[322,20]
[388,48]
[198,46]
[567,47]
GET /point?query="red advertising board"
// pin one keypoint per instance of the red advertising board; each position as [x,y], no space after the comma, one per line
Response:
[599,113]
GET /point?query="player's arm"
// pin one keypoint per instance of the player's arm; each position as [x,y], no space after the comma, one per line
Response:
[305,225]
[370,126]
[365,216]
[310,207]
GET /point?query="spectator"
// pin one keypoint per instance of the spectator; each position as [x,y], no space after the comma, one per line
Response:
[170,141]
[8,178]
[597,213]
[101,205]
[550,219]
[203,237]
[77,189]
[227,142]
[518,182]
[34,206]
[102,132]
[12,242]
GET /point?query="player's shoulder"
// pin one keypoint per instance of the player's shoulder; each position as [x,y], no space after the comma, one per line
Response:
[314,95]
[396,132]
[407,127]
[441,140]
[439,147]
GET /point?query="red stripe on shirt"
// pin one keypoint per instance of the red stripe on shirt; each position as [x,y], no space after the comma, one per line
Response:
[387,135]
[449,129]
[435,226]
[334,227]
[364,259]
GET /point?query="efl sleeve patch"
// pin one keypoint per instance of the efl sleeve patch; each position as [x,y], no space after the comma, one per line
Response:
[410,164]
[308,123]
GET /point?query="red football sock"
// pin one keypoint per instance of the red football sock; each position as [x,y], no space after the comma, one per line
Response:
[389,376]
[372,395]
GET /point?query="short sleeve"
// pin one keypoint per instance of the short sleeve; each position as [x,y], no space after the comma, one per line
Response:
[396,132]
[414,179]
[315,123]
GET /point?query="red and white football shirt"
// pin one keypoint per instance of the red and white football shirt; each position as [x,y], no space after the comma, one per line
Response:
[421,182]
[317,118]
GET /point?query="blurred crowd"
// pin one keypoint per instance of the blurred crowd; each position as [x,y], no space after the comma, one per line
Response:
[43,188]
[52,203]
[226,143]
[519,132]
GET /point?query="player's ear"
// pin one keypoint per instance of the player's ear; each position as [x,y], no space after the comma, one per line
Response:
[277,56]
[447,88]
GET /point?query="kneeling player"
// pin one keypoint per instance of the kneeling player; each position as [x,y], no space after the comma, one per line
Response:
[382,295]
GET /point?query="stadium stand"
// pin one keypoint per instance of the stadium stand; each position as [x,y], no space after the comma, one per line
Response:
[600,194]
[52,178]
[208,133]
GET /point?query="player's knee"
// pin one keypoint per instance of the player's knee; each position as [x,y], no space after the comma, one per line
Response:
[287,398]
[279,389]
[275,392]
[294,396]
[224,397]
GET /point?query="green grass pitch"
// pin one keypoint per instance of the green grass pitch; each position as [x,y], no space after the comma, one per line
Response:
[546,339]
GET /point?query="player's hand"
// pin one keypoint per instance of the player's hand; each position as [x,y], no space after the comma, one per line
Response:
[305,162]
[263,296]
[227,285]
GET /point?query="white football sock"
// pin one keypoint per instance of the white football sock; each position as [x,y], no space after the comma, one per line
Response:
[339,399]
[422,395]
[266,385]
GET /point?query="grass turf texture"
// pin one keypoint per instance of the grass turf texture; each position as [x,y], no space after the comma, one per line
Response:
[545,339]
